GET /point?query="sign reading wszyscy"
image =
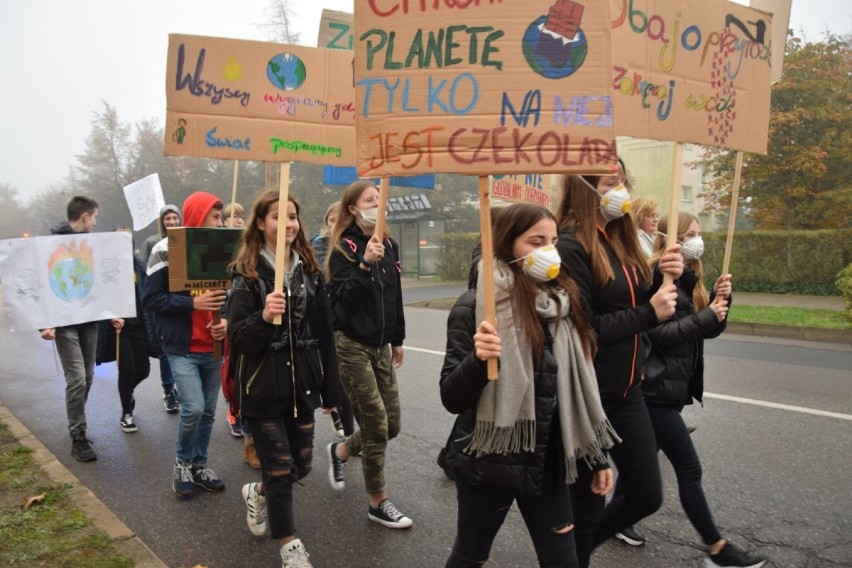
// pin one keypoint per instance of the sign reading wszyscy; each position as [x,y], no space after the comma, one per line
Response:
[692,72]
[251,100]
[483,86]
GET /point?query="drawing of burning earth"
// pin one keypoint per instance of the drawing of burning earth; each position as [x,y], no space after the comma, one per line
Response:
[554,45]
[70,271]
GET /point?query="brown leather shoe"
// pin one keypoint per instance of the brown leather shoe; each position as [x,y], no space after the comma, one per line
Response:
[251,456]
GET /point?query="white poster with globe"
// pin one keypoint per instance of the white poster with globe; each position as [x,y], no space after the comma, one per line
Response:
[67,279]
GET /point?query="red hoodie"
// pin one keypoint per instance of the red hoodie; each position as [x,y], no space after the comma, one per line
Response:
[195,210]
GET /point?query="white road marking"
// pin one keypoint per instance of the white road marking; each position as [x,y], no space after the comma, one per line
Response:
[764,403]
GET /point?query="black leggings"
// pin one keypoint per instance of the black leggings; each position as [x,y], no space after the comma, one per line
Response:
[284,447]
[638,469]
[133,365]
[482,512]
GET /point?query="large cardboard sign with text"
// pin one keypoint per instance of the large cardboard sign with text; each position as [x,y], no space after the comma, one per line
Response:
[249,100]
[483,87]
[692,71]
[199,257]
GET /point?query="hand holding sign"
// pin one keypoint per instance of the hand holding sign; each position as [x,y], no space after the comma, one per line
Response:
[275,305]
[210,300]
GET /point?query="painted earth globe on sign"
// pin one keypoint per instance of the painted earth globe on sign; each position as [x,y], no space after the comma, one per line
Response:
[286,71]
[553,55]
[71,278]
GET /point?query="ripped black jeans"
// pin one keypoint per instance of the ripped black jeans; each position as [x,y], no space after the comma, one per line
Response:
[284,447]
[482,512]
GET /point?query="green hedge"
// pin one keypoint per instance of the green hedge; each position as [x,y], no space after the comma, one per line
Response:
[844,284]
[781,262]
[454,262]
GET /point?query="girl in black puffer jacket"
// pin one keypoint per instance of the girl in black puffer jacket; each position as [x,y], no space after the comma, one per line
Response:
[674,375]
[524,436]
[284,372]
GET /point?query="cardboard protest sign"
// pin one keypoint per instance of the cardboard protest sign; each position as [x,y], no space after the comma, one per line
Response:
[780,10]
[144,199]
[337,30]
[692,72]
[483,87]
[67,279]
[249,100]
[521,188]
[337,175]
[199,257]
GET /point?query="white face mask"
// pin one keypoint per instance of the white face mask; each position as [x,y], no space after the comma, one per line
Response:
[615,203]
[369,216]
[693,248]
[541,264]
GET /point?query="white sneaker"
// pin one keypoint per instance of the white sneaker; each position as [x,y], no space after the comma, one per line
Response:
[294,555]
[388,515]
[256,510]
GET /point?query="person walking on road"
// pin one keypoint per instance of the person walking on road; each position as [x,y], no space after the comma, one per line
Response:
[284,372]
[674,375]
[77,345]
[186,332]
[523,437]
[599,247]
[366,296]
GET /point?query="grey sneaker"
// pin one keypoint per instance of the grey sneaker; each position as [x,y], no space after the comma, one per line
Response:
[388,515]
[207,479]
[733,556]
[80,448]
[182,483]
[294,555]
[127,423]
[631,536]
[170,402]
[256,509]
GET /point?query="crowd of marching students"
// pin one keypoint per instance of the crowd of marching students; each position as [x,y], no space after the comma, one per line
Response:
[599,335]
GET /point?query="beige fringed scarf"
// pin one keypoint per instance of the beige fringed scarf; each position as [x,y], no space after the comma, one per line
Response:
[505,412]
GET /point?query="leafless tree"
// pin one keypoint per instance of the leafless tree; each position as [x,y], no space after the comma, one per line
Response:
[280,25]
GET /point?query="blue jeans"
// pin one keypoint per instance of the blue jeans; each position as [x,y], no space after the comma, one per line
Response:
[76,346]
[197,379]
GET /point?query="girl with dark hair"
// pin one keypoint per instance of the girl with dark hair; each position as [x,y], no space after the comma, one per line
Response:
[366,297]
[284,372]
[674,376]
[599,247]
[525,436]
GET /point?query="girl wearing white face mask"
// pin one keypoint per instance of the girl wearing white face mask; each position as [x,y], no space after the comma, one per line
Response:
[599,246]
[523,437]
[674,375]
[369,327]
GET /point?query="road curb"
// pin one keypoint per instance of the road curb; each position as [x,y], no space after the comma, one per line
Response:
[791,332]
[102,517]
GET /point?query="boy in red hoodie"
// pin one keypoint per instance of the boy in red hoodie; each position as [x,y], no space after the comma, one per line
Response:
[186,331]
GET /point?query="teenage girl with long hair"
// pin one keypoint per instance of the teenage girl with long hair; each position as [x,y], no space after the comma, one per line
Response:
[366,296]
[599,247]
[523,437]
[284,372]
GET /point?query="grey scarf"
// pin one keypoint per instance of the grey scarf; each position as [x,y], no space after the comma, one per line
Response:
[269,256]
[505,412]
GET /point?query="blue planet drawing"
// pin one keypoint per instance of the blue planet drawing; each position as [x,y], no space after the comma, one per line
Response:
[553,56]
[286,71]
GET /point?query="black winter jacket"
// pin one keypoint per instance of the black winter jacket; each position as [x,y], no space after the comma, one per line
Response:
[620,314]
[675,373]
[270,384]
[463,377]
[367,306]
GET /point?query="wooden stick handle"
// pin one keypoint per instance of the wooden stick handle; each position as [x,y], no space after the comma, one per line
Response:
[487,263]
[230,221]
[281,242]
[732,217]
[217,344]
[384,191]
[674,202]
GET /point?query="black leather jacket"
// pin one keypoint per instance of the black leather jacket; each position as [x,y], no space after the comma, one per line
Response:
[677,345]
[284,368]
[463,377]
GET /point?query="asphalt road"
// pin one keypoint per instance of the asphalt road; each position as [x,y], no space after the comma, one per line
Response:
[775,437]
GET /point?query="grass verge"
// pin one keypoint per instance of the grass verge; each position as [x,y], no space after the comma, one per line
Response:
[804,317]
[51,532]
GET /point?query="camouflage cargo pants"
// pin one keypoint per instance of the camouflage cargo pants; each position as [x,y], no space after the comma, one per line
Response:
[369,379]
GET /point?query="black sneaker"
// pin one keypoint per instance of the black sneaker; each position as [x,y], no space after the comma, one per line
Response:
[388,515]
[207,479]
[338,423]
[127,424]
[335,468]
[631,536]
[734,556]
[80,448]
[182,483]
[170,402]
